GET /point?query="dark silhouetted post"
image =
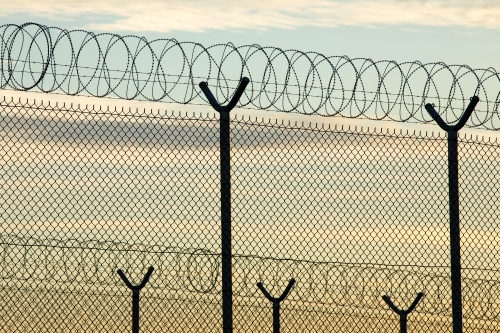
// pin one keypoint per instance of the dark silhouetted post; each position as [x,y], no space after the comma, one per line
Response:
[276,303]
[454,202]
[403,314]
[225,171]
[135,296]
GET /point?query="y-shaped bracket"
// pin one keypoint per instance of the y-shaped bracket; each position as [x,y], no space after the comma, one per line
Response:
[232,103]
[403,313]
[225,190]
[454,206]
[135,296]
[276,302]
[455,128]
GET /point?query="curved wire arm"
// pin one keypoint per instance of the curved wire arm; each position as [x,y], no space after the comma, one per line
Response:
[276,299]
[455,128]
[139,286]
[232,103]
[400,311]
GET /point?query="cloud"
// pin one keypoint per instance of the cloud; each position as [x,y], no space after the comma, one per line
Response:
[202,15]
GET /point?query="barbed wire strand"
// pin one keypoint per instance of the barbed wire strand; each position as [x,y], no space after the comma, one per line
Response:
[34,57]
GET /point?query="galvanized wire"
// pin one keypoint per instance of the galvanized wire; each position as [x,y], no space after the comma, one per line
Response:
[34,57]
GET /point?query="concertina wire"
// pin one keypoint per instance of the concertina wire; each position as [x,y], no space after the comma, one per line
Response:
[197,270]
[53,60]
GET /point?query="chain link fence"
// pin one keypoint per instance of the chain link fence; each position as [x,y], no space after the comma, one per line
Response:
[350,214]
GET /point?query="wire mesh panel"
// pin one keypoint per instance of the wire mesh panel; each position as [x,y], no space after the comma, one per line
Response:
[350,214]
[86,192]
[480,213]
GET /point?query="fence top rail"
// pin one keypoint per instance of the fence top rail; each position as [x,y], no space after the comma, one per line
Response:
[34,57]
[13,104]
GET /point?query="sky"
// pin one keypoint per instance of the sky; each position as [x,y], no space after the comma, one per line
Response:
[451,31]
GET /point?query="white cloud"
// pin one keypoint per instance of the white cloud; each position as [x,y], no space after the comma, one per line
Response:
[201,15]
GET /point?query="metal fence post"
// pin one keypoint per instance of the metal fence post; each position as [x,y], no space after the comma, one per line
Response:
[403,314]
[276,302]
[135,296]
[454,204]
[225,170]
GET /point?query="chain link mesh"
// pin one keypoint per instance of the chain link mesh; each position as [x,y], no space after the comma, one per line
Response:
[350,214]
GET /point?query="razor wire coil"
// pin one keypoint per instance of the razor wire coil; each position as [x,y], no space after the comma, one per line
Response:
[53,60]
[198,270]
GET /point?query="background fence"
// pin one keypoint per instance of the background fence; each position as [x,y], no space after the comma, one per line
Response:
[350,214]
